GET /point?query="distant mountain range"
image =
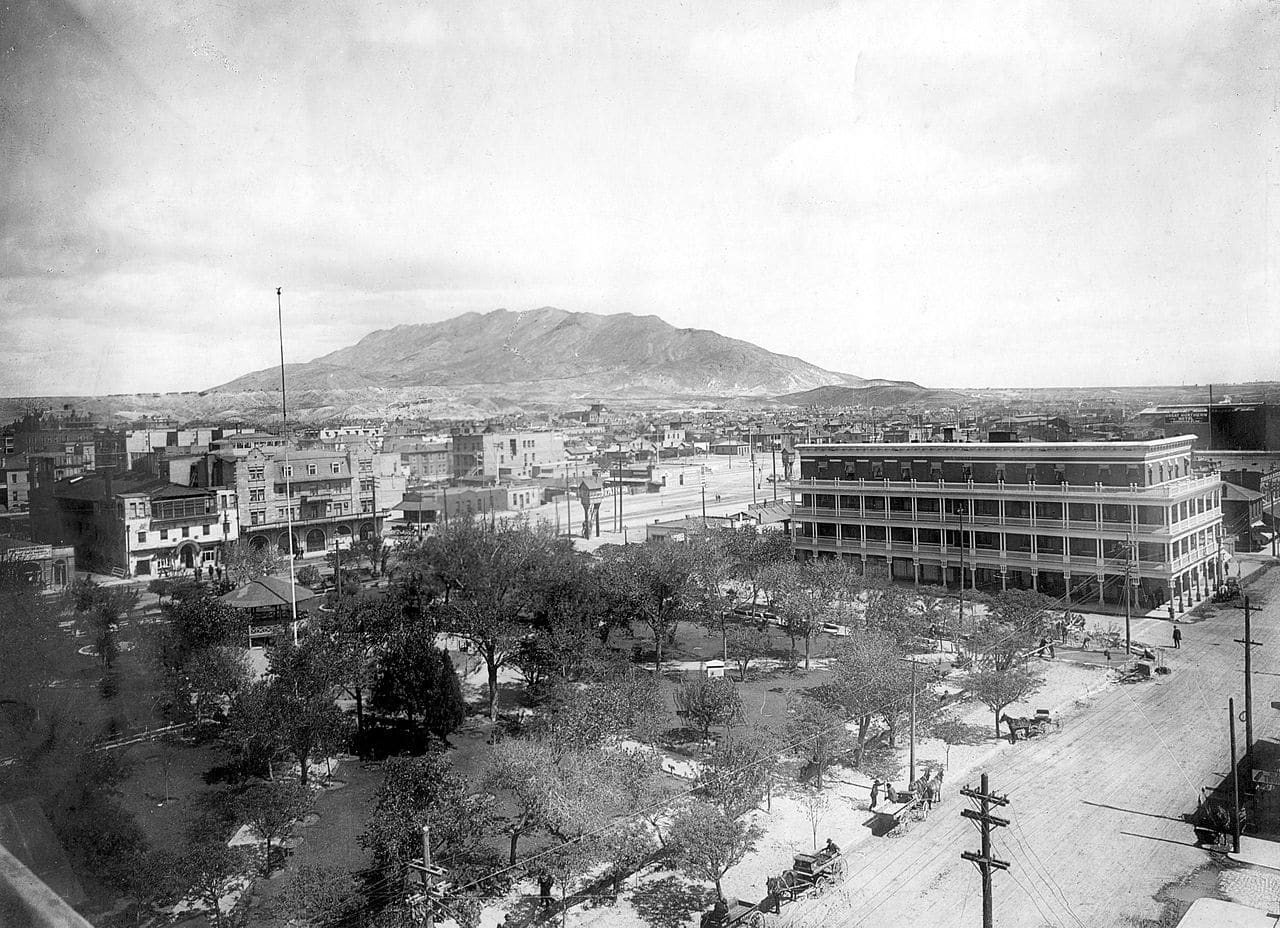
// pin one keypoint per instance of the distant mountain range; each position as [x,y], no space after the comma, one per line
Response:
[872,393]
[549,352]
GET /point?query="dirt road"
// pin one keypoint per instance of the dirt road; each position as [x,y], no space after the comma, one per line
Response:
[1096,809]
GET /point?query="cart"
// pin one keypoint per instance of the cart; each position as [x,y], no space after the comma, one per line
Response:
[811,874]
[732,913]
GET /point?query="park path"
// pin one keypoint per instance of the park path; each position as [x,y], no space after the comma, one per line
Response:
[1095,809]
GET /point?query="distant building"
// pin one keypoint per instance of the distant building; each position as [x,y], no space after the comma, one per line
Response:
[493,456]
[133,524]
[1220,427]
[14,480]
[420,510]
[1066,518]
[421,461]
[49,567]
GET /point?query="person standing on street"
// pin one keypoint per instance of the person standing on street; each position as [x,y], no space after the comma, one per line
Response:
[1177,637]
[875,793]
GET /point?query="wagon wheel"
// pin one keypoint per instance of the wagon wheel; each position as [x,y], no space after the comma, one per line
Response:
[839,867]
[757,920]
[1042,727]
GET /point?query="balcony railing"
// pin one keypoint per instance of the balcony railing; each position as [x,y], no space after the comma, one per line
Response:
[1169,490]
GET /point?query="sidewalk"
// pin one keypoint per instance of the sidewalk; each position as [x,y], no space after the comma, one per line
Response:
[1258,852]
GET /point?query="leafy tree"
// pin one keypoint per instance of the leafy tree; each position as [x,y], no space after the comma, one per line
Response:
[625,846]
[817,728]
[755,554]
[709,842]
[41,732]
[293,711]
[872,680]
[318,896]
[101,609]
[816,805]
[101,835]
[356,634]
[621,704]
[951,729]
[1016,620]
[485,572]
[644,786]
[197,653]
[747,642]
[997,689]
[798,602]
[417,791]
[245,562]
[270,808]
[737,775]
[308,575]
[708,701]
[415,677]
[656,584]
[206,871]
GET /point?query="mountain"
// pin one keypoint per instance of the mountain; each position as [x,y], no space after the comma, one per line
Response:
[872,393]
[549,353]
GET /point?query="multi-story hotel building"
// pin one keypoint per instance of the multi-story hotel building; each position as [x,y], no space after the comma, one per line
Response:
[327,497]
[1056,517]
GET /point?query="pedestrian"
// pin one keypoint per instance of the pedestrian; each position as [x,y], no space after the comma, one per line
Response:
[1051,652]
[875,793]
[544,889]
[938,787]
[1044,646]
[1177,637]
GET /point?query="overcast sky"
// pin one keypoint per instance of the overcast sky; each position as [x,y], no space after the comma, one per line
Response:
[961,194]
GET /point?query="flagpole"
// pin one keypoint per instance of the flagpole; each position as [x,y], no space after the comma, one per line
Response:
[288,490]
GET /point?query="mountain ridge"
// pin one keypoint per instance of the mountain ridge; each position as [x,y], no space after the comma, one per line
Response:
[622,354]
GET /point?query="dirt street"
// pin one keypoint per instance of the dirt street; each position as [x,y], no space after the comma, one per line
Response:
[1096,809]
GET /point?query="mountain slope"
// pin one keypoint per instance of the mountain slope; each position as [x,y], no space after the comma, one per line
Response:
[550,351]
[871,393]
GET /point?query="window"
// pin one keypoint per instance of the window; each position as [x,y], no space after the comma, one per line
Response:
[164,534]
[204,530]
[256,516]
[877,470]
[133,510]
[999,473]
[288,470]
[186,532]
[904,471]
[366,505]
[257,472]
[935,470]
[257,494]
[142,538]
[311,470]
[336,467]
[966,471]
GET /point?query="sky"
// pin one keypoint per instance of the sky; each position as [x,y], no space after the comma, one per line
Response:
[961,194]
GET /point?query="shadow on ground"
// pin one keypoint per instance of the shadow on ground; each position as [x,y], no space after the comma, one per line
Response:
[668,903]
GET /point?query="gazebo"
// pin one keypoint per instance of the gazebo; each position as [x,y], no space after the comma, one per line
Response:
[270,602]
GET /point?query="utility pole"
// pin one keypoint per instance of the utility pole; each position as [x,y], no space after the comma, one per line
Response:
[773,453]
[704,501]
[911,773]
[1235,781]
[1248,643]
[985,863]
[1128,574]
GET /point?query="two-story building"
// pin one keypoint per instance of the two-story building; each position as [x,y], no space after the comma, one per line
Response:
[1063,518]
[134,524]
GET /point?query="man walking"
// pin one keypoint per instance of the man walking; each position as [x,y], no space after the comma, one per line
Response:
[875,793]
[1177,637]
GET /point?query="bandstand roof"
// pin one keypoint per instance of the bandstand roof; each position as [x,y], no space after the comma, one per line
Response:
[266,592]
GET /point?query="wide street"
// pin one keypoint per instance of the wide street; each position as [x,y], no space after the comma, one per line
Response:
[1095,809]
[729,479]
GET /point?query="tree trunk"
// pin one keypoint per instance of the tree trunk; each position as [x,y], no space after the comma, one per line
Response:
[719,891]
[304,762]
[515,839]
[359,712]
[864,723]
[998,722]
[266,860]
[806,652]
[657,649]
[491,662]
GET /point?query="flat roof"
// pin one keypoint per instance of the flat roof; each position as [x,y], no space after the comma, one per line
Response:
[1004,449]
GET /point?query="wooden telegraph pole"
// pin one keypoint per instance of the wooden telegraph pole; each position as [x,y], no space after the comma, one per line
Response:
[985,863]
[1248,643]
[1235,781]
